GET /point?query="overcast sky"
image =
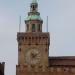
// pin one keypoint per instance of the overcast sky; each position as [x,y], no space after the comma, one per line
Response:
[61,14]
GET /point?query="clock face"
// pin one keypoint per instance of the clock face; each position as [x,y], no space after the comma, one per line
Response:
[32,56]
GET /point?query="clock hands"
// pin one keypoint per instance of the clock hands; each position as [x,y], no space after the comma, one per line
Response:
[33,55]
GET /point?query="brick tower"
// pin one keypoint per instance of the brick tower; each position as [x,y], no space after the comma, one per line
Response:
[33,45]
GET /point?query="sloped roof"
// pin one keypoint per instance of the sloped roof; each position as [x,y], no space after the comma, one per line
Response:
[62,61]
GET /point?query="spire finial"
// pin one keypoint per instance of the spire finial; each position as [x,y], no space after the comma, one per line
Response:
[34,1]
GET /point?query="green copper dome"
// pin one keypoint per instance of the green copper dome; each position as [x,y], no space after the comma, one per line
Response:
[34,1]
[33,17]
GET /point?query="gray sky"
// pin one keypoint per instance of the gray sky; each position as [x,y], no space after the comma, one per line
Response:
[61,15]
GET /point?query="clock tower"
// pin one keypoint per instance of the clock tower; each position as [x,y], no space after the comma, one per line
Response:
[33,45]
[33,49]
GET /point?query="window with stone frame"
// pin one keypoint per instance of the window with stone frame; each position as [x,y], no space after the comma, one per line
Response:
[33,28]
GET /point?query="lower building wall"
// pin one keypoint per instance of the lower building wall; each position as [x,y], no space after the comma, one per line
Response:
[41,70]
[44,73]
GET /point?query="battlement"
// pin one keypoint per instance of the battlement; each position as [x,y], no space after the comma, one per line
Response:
[33,68]
[33,38]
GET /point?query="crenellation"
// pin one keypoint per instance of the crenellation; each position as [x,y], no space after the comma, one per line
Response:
[43,34]
[33,38]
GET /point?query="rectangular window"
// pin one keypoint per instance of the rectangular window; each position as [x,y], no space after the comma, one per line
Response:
[33,27]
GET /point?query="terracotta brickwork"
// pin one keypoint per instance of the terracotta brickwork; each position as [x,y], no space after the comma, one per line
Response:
[44,70]
[39,41]
[65,60]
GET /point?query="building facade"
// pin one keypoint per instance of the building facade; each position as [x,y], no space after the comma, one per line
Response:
[2,66]
[33,50]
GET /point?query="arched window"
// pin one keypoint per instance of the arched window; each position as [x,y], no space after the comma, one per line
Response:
[33,7]
[33,27]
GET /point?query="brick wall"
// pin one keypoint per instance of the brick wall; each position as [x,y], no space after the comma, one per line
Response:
[44,70]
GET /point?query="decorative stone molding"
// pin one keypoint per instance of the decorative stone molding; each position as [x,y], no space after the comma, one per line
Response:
[44,69]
